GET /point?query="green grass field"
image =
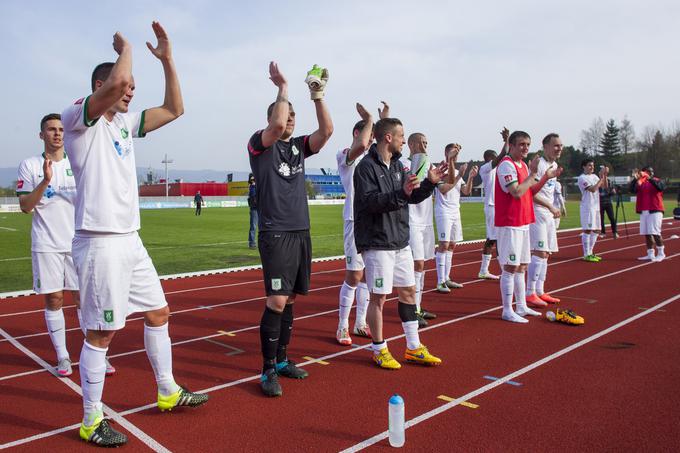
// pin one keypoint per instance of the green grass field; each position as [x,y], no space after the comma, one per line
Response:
[178,241]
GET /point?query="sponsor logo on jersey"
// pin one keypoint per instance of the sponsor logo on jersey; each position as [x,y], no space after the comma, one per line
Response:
[124,132]
[20,184]
[69,172]
[276,284]
[508,178]
[108,316]
[49,192]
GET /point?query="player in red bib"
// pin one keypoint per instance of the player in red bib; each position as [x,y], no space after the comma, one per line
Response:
[514,212]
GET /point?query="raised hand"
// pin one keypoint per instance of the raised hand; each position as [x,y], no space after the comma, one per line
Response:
[119,43]
[463,168]
[363,113]
[410,184]
[554,172]
[163,50]
[474,171]
[453,153]
[47,170]
[385,112]
[437,173]
[276,76]
[505,133]
[533,165]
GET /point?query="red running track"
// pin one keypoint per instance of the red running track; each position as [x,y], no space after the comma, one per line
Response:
[609,385]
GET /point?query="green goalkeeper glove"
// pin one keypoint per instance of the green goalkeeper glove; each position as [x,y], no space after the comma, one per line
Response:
[317,78]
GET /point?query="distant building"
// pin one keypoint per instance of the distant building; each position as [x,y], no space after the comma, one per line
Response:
[327,185]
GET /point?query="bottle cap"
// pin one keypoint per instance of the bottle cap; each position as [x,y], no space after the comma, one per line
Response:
[396,399]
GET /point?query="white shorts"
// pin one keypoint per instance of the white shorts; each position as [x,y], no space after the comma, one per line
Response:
[388,268]
[353,260]
[489,215]
[421,241]
[449,229]
[117,278]
[543,234]
[590,219]
[53,272]
[513,246]
[650,223]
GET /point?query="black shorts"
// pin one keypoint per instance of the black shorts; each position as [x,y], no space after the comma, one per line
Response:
[286,261]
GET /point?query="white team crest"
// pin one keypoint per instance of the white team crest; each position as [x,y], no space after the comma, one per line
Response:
[276,284]
[284,169]
[295,150]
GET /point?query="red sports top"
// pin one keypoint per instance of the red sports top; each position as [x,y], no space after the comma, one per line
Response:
[511,211]
[649,198]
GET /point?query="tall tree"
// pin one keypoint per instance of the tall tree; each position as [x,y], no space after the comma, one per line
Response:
[590,138]
[627,135]
[610,147]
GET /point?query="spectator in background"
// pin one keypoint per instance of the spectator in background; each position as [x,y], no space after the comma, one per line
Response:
[198,200]
[252,204]
[559,202]
[606,193]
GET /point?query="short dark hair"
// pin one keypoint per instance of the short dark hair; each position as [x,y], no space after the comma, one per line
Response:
[101,72]
[358,126]
[586,161]
[549,137]
[413,137]
[517,135]
[489,154]
[48,117]
[270,109]
[384,127]
[448,148]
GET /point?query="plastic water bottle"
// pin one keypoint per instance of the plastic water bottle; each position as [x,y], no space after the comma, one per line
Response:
[397,436]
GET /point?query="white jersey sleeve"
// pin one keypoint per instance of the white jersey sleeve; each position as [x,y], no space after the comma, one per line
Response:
[26,181]
[506,173]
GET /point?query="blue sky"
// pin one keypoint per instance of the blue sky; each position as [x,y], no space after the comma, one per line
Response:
[456,71]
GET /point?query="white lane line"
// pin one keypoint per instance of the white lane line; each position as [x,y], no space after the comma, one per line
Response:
[8,229]
[134,430]
[349,351]
[445,407]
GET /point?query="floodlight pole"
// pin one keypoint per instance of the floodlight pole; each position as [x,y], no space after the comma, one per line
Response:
[166,161]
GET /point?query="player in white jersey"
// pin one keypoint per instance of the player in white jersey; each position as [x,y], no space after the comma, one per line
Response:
[421,229]
[559,203]
[46,187]
[115,274]
[588,184]
[542,233]
[354,283]
[488,174]
[447,216]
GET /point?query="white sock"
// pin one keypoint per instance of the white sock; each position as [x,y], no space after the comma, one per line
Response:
[363,297]
[92,368]
[520,298]
[659,250]
[440,260]
[484,269]
[419,289]
[507,284]
[56,327]
[377,347]
[507,289]
[449,263]
[80,321]
[422,282]
[650,253]
[159,351]
[411,332]
[593,240]
[346,300]
[585,241]
[533,270]
[540,290]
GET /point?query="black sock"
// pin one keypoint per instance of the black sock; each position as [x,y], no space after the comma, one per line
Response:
[286,331]
[407,312]
[270,332]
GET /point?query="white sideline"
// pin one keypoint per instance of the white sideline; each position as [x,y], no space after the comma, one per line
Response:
[13,294]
